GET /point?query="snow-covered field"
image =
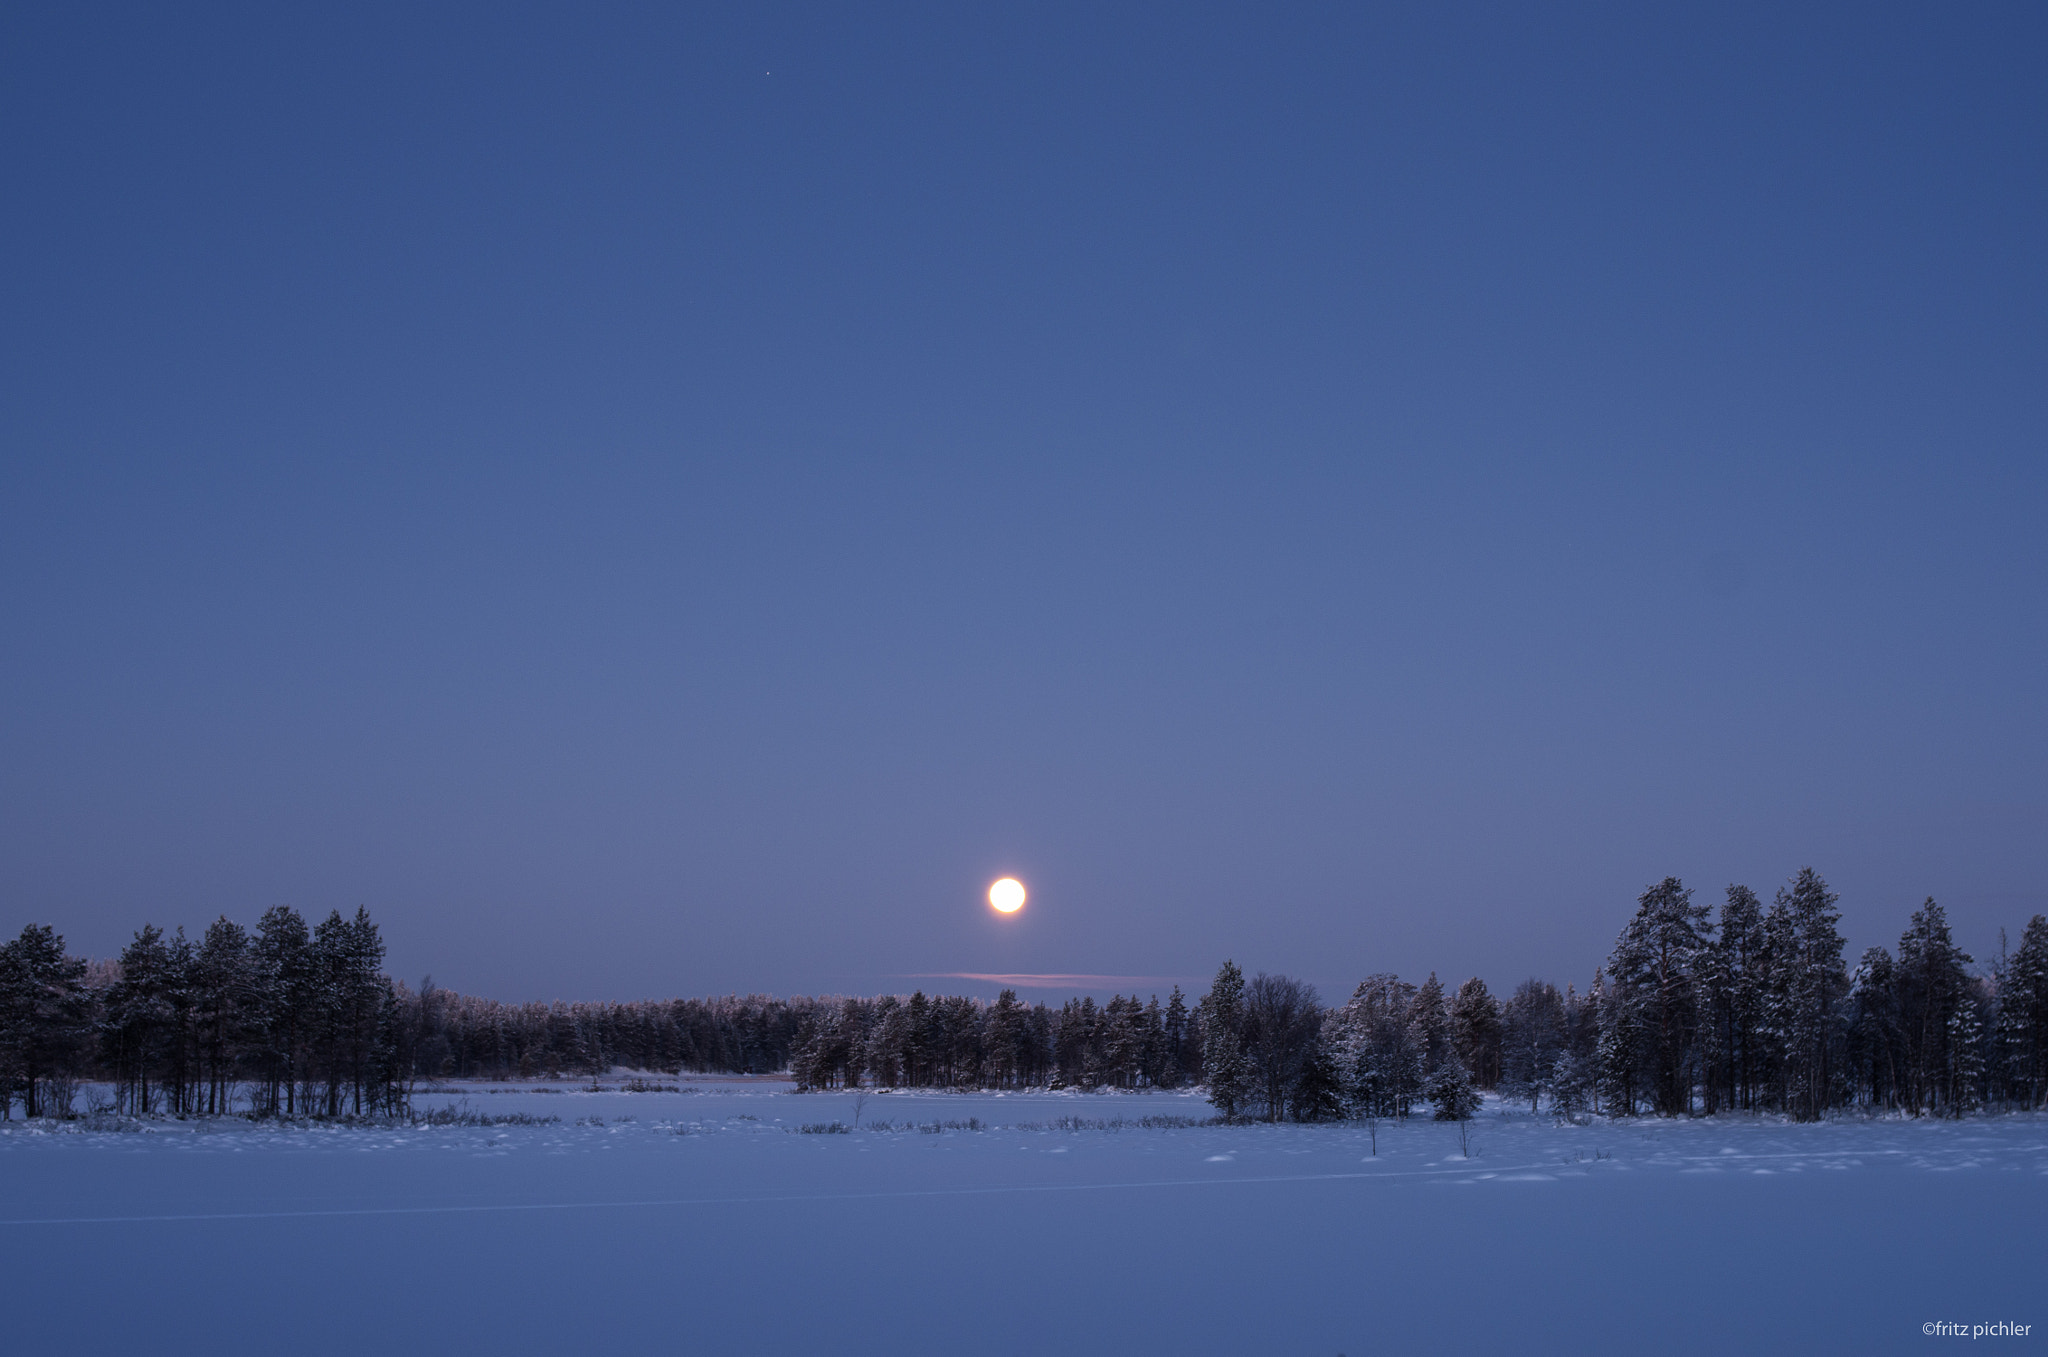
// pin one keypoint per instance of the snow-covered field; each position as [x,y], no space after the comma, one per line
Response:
[704,1222]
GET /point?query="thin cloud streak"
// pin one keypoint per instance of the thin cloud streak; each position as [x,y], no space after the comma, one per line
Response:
[1058,981]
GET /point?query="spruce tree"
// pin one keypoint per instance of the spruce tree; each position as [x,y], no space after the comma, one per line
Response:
[1224,1066]
[1347,1038]
[1317,1094]
[1966,1059]
[1451,1092]
[2023,1016]
[809,1060]
[1582,1031]
[1620,1058]
[1571,1084]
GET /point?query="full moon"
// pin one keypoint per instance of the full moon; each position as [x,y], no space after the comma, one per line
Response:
[1007,895]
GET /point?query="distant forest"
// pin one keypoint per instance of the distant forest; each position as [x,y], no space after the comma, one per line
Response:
[1756,1011]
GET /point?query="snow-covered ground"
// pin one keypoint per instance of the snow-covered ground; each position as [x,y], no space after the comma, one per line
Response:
[704,1221]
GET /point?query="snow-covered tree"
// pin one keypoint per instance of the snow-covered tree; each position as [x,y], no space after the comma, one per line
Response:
[1317,1094]
[1182,1057]
[1657,970]
[1373,1041]
[1809,987]
[1006,1040]
[1571,1084]
[1964,1092]
[2023,1017]
[1532,1035]
[1476,1031]
[1736,1053]
[1876,1046]
[1933,986]
[44,1021]
[138,1018]
[226,992]
[1429,1017]
[1224,1064]
[1451,1092]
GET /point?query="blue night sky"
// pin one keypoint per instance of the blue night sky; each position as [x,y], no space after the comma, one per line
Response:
[665,500]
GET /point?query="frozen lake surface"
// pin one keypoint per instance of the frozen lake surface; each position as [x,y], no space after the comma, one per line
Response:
[704,1222]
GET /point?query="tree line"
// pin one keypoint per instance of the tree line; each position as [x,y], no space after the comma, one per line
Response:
[283,1021]
[1754,1011]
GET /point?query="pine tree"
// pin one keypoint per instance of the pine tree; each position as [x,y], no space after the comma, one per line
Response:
[1080,1043]
[1152,1044]
[852,1045]
[1224,1065]
[1875,1040]
[1933,987]
[1656,972]
[1812,985]
[1476,1032]
[1732,1000]
[884,1058]
[181,1035]
[1119,1049]
[287,991]
[138,1017]
[1532,1035]
[1582,1030]
[226,989]
[1741,965]
[1178,1065]
[44,1022]
[916,1018]
[1430,1019]
[1006,1039]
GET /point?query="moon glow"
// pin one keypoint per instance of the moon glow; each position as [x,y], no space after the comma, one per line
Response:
[1007,895]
